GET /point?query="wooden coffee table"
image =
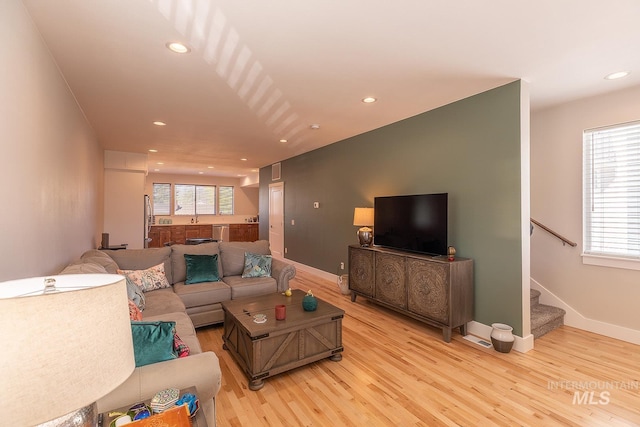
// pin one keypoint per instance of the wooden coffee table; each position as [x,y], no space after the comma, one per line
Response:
[267,349]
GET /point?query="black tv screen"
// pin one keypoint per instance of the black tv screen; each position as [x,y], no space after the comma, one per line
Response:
[416,223]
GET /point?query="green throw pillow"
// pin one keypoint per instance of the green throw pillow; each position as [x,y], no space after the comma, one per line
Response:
[153,342]
[201,268]
[256,265]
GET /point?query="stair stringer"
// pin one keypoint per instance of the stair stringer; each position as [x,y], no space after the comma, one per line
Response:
[575,319]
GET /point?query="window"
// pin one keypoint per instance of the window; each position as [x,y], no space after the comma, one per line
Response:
[161,199]
[195,199]
[225,200]
[611,195]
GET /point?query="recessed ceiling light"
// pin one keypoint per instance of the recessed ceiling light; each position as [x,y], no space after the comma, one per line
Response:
[243,159]
[160,163]
[369,100]
[209,167]
[254,170]
[153,150]
[159,123]
[617,75]
[178,47]
[283,140]
[315,126]
[200,172]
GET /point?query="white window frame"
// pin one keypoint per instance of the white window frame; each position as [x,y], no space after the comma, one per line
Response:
[195,200]
[611,196]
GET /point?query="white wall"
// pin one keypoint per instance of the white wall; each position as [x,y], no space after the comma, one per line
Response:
[605,295]
[50,162]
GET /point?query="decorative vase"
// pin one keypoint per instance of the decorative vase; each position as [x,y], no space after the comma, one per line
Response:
[502,337]
[309,302]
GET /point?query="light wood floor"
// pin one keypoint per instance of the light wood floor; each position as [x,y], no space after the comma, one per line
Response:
[398,372]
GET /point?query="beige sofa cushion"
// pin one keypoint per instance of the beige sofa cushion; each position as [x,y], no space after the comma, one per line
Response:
[80,267]
[251,286]
[205,293]
[141,259]
[233,255]
[96,256]
[161,301]
[178,264]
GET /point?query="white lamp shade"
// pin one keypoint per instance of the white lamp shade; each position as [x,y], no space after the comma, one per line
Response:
[363,217]
[62,350]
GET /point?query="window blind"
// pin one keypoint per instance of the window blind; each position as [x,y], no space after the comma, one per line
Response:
[611,193]
[225,196]
[161,199]
[195,199]
[205,200]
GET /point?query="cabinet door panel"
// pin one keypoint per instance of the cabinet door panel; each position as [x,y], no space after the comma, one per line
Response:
[177,234]
[361,271]
[428,289]
[390,279]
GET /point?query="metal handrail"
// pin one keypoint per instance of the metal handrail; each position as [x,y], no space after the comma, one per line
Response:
[548,230]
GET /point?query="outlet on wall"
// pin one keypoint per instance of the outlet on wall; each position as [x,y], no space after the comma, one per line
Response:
[285,250]
[342,266]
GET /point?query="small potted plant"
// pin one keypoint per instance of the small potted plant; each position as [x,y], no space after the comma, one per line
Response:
[309,302]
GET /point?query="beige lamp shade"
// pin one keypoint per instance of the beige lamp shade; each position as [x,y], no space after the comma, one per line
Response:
[363,217]
[65,349]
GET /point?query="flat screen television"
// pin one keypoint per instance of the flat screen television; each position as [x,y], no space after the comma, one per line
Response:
[416,223]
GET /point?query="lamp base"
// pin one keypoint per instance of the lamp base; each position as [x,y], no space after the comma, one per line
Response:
[83,417]
[365,235]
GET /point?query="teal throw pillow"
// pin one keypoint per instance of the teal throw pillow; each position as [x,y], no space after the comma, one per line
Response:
[153,342]
[256,265]
[201,268]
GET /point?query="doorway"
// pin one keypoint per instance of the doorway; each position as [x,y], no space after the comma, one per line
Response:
[276,219]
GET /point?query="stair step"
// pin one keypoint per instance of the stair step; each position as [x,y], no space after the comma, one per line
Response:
[535,297]
[545,318]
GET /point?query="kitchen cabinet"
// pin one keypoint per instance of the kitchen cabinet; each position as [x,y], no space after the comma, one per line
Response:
[243,232]
[159,235]
[178,234]
[198,231]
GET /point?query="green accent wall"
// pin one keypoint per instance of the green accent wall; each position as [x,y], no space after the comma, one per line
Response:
[469,149]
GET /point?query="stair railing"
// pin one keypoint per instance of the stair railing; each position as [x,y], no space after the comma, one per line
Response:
[559,236]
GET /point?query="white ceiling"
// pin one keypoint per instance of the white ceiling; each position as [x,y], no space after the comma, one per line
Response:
[264,70]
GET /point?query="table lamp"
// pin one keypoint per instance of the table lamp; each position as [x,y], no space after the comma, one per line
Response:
[363,217]
[67,343]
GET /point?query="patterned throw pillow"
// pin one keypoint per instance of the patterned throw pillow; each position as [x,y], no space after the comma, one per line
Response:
[150,279]
[134,311]
[256,265]
[180,347]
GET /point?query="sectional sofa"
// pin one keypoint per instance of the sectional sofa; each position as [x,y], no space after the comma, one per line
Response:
[189,306]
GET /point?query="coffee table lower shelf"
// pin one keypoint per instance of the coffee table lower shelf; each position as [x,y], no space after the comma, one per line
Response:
[263,351]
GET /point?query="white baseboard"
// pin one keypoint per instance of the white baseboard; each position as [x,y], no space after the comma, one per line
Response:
[574,319]
[314,271]
[483,331]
